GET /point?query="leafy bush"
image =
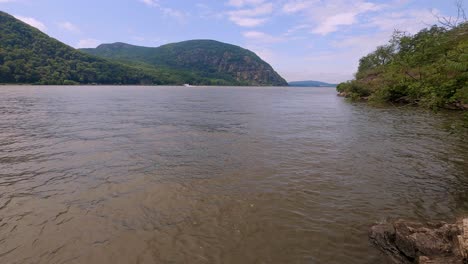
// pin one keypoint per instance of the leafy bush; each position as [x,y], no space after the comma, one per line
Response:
[429,68]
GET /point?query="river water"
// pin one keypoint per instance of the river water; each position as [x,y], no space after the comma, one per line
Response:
[216,175]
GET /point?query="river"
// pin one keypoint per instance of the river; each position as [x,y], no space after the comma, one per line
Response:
[216,174]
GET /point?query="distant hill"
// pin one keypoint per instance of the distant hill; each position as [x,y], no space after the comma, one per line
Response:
[206,58]
[311,84]
[27,55]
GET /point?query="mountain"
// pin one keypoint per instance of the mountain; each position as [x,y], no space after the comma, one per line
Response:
[311,84]
[206,58]
[27,55]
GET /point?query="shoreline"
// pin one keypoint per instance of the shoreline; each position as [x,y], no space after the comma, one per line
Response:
[454,106]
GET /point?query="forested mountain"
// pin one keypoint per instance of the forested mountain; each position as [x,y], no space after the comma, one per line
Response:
[27,55]
[207,58]
[429,69]
[311,84]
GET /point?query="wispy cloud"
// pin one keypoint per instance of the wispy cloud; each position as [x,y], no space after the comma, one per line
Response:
[241,3]
[151,2]
[87,43]
[68,26]
[329,16]
[262,37]
[33,22]
[410,21]
[297,5]
[207,12]
[167,11]
[173,13]
[254,15]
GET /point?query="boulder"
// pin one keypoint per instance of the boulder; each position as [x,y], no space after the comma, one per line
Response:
[430,243]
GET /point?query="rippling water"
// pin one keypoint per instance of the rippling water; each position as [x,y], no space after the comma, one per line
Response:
[215,175]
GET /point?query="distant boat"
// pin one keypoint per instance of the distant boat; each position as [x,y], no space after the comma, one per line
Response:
[187,85]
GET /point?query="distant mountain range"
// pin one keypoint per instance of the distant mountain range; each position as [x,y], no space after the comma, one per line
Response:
[311,84]
[27,55]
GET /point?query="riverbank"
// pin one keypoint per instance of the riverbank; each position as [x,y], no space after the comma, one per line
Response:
[450,106]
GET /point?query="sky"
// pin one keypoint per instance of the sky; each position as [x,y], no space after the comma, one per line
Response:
[302,39]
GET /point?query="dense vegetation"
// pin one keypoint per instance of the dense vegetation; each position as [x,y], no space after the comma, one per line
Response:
[29,56]
[207,58]
[429,69]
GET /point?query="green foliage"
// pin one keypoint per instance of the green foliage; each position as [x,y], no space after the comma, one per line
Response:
[354,89]
[429,68]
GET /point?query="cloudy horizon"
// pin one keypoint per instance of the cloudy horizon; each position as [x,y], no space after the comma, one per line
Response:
[301,39]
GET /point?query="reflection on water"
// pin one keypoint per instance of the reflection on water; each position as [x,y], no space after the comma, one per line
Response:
[215,175]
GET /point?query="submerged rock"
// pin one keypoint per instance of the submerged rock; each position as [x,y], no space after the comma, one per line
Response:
[431,243]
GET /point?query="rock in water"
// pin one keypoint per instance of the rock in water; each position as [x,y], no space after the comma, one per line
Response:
[432,243]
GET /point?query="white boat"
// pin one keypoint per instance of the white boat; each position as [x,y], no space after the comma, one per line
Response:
[187,85]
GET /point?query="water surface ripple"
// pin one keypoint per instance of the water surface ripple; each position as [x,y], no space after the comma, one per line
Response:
[215,175]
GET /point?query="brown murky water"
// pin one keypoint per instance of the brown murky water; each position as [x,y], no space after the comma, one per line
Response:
[215,175]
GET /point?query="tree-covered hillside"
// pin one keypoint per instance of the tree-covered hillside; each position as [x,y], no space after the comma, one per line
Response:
[29,56]
[207,58]
[429,69]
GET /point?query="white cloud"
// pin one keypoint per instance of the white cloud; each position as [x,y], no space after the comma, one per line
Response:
[173,13]
[263,9]
[33,22]
[324,17]
[251,17]
[247,21]
[343,17]
[87,43]
[298,5]
[332,23]
[258,36]
[68,26]
[151,2]
[296,28]
[170,12]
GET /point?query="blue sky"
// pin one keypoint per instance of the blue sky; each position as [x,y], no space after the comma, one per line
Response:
[302,39]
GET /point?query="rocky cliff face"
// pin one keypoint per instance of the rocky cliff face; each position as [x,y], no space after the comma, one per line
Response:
[210,59]
[247,68]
